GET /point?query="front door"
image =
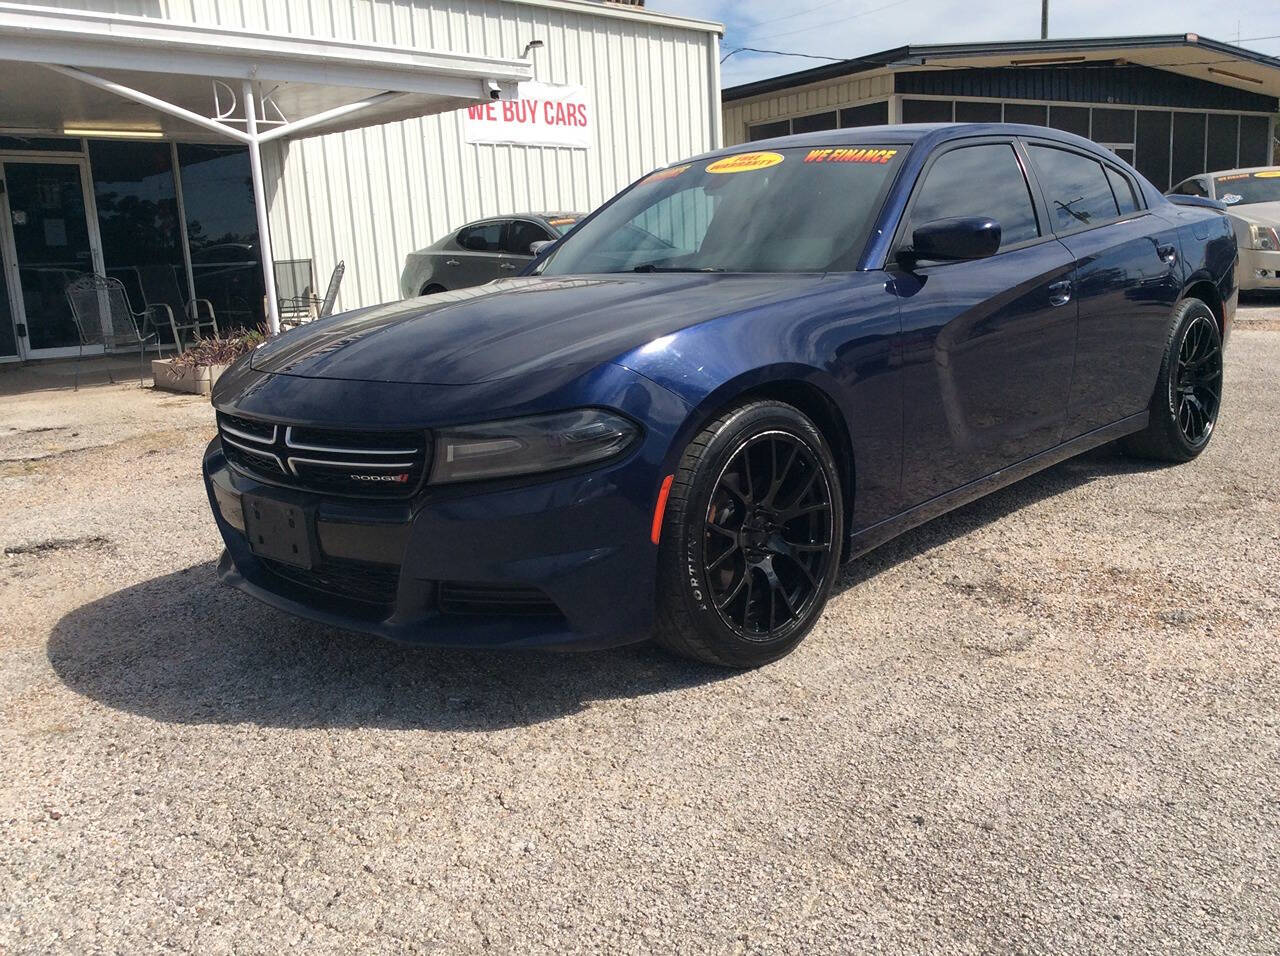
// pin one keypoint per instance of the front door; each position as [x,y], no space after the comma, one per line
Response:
[987,345]
[46,235]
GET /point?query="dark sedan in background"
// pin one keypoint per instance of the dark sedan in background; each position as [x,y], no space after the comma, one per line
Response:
[743,368]
[481,251]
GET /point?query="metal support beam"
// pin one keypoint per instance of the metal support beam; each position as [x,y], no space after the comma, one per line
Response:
[298,126]
[260,207]
[146,99]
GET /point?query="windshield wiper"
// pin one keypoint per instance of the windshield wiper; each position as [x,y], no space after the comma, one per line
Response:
[650,267]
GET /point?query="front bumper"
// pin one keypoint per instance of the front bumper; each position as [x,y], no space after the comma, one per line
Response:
[1259,269]
[566,560]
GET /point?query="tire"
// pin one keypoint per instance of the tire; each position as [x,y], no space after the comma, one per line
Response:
[1188,393]
[750,541]
[431,289]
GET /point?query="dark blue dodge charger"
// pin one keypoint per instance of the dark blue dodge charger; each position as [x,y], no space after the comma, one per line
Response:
[743,368]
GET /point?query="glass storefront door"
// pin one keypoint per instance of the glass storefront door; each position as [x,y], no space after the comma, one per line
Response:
[47,238]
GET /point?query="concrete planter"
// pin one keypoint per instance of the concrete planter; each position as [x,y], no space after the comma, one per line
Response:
[195,380]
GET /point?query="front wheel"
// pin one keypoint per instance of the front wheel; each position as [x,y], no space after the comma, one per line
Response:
[1188,394]
[751,537]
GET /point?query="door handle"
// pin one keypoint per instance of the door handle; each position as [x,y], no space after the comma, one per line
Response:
[1060,292]
[452,262]
[1168,252]
[509,266]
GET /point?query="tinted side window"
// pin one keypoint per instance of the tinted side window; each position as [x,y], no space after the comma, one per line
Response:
[1191,187]
[485,237]
[1075,186]
[522,234]
[1123,189]
[978,181]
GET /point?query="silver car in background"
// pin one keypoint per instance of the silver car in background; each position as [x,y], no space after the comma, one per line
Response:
[481,251]
[1252,198]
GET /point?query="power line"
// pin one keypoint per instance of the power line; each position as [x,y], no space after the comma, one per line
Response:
[798,13]
[752,49]
[829,23]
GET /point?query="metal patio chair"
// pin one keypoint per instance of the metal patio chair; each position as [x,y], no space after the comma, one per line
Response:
[99,304]
[295,290]
[160,286]
[294,310]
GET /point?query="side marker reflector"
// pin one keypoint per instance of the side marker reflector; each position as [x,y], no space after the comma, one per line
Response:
[660,508]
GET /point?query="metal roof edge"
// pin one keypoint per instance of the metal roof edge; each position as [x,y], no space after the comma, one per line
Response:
[619,11]
[919,55]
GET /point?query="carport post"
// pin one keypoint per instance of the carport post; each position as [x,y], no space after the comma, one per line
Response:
[260,207]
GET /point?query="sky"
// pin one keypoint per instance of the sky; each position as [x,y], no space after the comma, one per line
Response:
[847,28]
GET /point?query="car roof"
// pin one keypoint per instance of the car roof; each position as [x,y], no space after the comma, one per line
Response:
[1243,169]
[525,215]
[906,134]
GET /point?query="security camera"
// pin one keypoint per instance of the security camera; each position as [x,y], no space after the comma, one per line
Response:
[495,91]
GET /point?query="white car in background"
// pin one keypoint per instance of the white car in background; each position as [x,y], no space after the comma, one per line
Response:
[1252,198]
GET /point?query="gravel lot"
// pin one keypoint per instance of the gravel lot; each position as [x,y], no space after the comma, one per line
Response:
[1049,721]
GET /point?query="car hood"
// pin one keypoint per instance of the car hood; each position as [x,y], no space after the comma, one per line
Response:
[1262,213]
[515,326]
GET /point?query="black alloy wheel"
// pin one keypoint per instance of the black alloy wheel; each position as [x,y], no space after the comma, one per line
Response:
[768,535]
[1188,395]
[1198,383]
[751,537]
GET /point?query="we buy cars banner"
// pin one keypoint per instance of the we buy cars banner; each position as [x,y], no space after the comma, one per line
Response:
[543,115]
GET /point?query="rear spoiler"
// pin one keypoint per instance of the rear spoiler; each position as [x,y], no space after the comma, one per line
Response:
[1202,201]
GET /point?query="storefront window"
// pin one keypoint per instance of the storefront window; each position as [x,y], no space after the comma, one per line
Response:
[138,219]
[222,227]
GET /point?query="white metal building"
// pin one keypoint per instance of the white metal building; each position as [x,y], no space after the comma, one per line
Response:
[124,135]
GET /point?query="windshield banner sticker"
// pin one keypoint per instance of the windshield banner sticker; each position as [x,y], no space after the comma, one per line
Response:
[880,156]
[745,162]
[671,172]
[1268,174]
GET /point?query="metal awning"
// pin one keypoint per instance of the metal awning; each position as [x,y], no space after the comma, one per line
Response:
[77,70]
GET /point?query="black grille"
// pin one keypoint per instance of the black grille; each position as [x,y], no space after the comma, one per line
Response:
[371,585]
[348,462]
[461,597]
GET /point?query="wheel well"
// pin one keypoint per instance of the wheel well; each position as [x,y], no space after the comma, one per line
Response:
[431,287]
[818,406]
[1207,292]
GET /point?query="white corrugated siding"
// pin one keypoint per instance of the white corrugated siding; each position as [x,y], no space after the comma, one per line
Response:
[371,196]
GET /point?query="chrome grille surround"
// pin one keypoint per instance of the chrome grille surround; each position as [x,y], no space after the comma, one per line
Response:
[346,462]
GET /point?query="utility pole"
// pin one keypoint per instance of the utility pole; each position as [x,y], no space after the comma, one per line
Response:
[1044,19]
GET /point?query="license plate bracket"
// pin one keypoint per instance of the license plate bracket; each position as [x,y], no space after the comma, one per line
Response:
[279,531]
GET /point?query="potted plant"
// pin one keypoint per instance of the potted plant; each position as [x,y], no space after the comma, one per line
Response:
[196,369]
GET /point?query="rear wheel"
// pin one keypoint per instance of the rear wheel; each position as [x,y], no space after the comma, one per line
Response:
[751,538]
[1188,394]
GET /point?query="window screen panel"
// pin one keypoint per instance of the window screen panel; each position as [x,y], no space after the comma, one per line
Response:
[1224,128]
[1112,126]
[1254,141]
[1026,113]
[978,181]
[968,111]
[926,111]
[1152,154]
[869,114]
[1188,146]
[1070,119]
[813,122]
[769,130]
[1075,186]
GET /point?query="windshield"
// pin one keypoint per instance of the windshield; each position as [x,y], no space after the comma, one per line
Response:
[1240,189]
[785,210]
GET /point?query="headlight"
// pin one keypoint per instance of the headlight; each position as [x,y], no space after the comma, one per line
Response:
[1264,237]
[523,446]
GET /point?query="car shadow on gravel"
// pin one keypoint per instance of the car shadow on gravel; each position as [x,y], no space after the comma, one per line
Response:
[184,649]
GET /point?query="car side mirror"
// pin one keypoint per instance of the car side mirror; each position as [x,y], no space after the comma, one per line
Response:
[966,237]
[537,247]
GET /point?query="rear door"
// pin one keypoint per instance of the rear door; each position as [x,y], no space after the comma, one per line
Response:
[1126,281]
[478,255]
[988,344]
